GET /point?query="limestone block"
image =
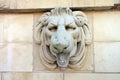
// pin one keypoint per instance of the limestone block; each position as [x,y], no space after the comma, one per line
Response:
[2,20]
[90,19]
[82,3]
[34,4]
[16,57]
[103,3]
[107,26]
[107,56]
[16,27]
[1,33]
[38,66]
[32,76]
[36,17]
[89,76]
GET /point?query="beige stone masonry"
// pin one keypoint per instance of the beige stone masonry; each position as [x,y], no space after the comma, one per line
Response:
[99,3]
[15,42]
[32,76]
[91,76]
[16,27]
[19,59]
[107,56]
[92,3]
[1,33]
[83,3]
[34,4]
[106,26]
[16,57]
[41,4]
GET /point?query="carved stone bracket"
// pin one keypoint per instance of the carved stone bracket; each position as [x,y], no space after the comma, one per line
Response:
[63,35]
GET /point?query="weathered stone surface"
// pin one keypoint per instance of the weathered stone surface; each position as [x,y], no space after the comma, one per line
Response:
[107,56]
[117,1]
[1,33]
[16,57]
[16,27]
[90,76]
[4,4]
[90,20]
[38,66]
[34,4]
[104,3]
[106,26]
[32,76]
[82,3]
[88,66]
[62,44]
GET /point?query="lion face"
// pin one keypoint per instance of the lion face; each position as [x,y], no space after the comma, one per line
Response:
[62,32]
[63,35]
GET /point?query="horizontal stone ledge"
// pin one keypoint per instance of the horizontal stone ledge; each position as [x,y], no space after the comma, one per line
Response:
[42,5]
[117,4]
[48,9]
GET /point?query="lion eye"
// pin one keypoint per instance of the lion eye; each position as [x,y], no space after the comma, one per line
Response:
[70,28]
[53,29]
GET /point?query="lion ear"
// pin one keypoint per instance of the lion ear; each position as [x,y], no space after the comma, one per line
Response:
[81,21]
[39,27]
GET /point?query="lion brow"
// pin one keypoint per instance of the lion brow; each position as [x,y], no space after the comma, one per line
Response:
[70,23]
[53,24]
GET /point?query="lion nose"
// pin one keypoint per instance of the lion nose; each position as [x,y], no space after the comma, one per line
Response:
[60,45]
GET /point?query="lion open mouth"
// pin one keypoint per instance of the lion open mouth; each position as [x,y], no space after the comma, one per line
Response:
[62,60]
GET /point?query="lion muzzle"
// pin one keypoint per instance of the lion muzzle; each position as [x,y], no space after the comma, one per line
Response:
[60,44]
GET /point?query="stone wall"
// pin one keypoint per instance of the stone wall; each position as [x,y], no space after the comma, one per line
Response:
[34,4]
[18,54]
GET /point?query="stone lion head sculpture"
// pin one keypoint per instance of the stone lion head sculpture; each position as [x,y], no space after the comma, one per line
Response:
[63,35]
